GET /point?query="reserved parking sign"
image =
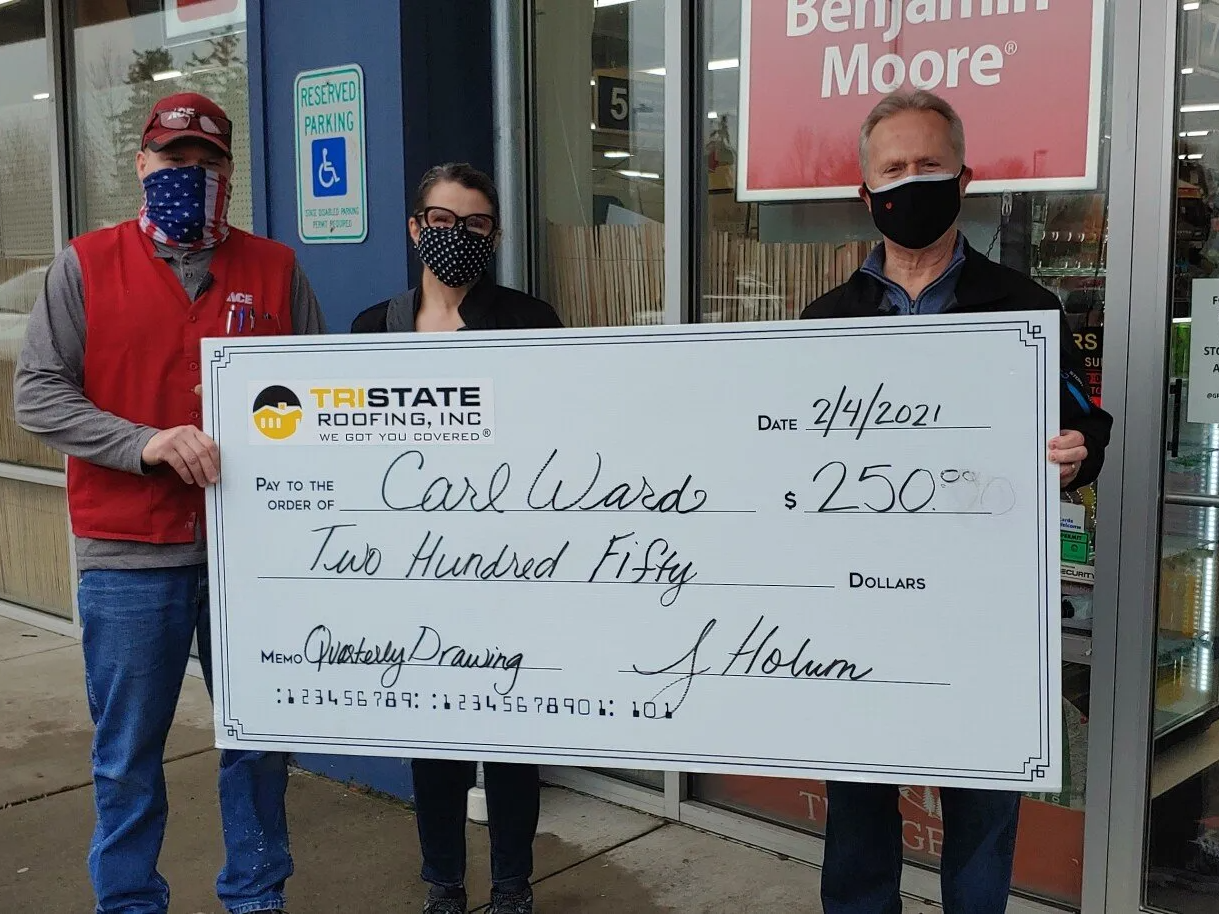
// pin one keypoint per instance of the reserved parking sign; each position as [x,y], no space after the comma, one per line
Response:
[331,189]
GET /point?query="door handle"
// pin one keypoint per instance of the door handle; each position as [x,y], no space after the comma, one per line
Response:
[1174,440]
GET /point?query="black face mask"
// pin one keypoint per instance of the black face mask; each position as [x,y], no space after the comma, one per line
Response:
[916,212]
[455,255]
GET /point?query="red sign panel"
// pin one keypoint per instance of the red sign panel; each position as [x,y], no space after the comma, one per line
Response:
[1024,75]
[194,10]
[186,17]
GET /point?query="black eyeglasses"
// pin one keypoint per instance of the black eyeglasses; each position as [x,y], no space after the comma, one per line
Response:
[183,118]
[438,217]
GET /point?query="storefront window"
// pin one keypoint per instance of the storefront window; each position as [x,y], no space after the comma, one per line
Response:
[782,224]
[128,55]
[27,232]
[1183,816]
[34,566]
[600,77]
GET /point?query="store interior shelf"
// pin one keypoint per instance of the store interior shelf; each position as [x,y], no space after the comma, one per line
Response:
[1185,680]
[1076,647]
[1186,709]
[1180,762]
[1068,273]
[1174,546]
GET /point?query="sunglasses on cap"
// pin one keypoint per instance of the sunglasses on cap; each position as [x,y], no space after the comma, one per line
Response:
[184,119]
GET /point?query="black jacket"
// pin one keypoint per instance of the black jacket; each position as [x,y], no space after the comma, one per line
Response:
[486,307]
[983,287]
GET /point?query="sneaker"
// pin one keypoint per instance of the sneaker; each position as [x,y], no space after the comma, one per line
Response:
[511,903]
[445,904]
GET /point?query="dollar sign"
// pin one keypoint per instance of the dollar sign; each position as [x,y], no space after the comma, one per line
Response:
[790,500]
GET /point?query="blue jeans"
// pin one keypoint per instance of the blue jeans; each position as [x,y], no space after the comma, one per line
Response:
[513,801]
[863,850]
[138,627]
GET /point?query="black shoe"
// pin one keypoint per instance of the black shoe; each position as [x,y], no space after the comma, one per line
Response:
[511,903]
[440,903]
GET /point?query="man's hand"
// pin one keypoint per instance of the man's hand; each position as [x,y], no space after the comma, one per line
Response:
[193,454]
[1068,451]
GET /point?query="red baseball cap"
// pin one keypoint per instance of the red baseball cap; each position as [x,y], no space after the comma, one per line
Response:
[187,115]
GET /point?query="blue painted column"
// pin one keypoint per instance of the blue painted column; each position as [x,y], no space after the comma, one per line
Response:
[427,84]
[286,37]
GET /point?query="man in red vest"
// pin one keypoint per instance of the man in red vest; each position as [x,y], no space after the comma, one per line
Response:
[109,375]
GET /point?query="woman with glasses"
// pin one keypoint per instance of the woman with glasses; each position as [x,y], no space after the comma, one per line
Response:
[455,228]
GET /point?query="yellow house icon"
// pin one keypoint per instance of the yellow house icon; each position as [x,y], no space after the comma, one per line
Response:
[278,422]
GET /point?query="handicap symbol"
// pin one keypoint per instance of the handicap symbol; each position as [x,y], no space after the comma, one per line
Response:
[326,175]
[329,167]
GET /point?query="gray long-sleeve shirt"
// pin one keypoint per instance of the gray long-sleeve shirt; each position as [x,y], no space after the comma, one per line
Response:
[49,398]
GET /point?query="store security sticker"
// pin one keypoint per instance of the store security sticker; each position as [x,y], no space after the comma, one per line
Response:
[1074,534]
[1203,403]
[331,190]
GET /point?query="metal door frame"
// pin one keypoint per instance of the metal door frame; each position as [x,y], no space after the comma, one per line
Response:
[1139,474]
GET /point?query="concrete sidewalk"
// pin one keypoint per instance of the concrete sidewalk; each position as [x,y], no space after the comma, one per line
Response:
[354,852]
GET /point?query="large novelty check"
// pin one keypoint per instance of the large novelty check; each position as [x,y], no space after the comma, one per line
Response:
[813,548]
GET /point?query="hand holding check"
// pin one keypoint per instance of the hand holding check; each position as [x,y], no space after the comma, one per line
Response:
[193,454]
[1069,452]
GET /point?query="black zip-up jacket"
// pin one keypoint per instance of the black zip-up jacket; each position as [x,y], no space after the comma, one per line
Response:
[984,287]
[485,307]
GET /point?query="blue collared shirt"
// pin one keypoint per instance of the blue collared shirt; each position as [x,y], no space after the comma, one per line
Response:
[935,299]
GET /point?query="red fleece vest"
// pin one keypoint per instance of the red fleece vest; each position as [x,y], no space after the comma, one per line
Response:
[142,336]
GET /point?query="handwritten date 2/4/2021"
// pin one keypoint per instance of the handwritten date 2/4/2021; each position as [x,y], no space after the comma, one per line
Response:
[871,412]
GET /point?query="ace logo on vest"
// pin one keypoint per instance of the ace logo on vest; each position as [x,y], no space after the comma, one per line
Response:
[277,412]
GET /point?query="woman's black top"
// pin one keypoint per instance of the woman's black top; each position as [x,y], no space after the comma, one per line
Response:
[486,307]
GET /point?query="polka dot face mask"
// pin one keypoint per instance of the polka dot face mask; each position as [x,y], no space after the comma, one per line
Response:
[455,255]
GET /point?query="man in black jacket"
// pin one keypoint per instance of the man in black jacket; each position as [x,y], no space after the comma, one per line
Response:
[912,154]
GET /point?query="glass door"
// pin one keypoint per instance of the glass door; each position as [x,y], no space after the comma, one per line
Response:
[34,558]
[767,259]
[1181,872]
[599,136]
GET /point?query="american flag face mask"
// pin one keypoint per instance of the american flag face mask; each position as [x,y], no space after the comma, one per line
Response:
[186,207]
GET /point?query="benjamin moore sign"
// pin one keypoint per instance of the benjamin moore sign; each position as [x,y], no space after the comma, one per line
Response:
[331,183]
[811,70]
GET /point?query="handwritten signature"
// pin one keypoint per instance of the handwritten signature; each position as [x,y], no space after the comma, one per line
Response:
[765,655]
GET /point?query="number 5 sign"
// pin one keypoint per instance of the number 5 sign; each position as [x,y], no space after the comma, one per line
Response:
[630,104]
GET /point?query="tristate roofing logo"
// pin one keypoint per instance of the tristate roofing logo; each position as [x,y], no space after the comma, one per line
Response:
[277,412]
